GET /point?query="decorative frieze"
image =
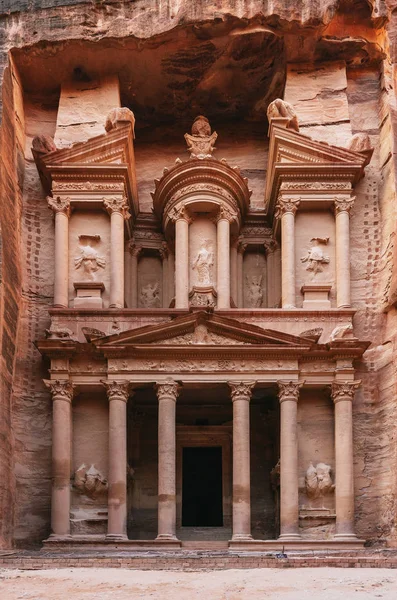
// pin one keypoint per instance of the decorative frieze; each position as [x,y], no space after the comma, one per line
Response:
[316,185]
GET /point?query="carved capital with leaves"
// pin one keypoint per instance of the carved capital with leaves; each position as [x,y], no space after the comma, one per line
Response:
[60,389]
[286,204]
[59,204]
[288,390]
[180,213]
[344,390]
[134,249]
[167,390]
[241,390]
[270,246]
[343,204]
[225,214]
[117,390]
[117,204]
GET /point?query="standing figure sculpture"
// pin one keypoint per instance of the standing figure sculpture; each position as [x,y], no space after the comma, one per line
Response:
[204,263]
[255,292]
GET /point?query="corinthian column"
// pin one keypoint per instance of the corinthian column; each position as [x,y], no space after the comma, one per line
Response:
[289,485]
[118,210]
[167,393]
[271,283]
[224,218]
[241,396]
[342,395]
[286,210]
[343,207]
[117,392]
[61,208]
[134,252]
[62,394]
[182,220]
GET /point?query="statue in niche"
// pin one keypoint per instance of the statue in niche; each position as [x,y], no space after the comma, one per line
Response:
[89,481]
[204,263]
[318,480]
[315,258]
[89,259]
[255,292]
[150,295]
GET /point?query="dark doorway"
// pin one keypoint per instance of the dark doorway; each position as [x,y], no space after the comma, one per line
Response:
[202,487]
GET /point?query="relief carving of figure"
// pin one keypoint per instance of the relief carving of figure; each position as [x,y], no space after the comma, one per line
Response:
[201,143]
[89,481]
[204,263]
[318,480]
[315,258]
[150,295]
[255,292]
[89,259]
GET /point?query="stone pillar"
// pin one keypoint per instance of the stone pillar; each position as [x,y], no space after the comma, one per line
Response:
[223,221]
[127,275]
[342,250]
[134,252]
[171,276]
[62,395]
[270,247]
[289,480]
[241,396]
[165,287]
[117,392]
[182,221]
[240,274]
[342,395]
[167,393]
[118,210]
[286,210]
[61,208]
[233,273]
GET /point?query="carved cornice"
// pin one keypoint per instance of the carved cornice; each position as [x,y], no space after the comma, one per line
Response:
[60,389]
[241,390]
[117,204]
[117,390]
[59,204]
[288,390]
[286,204]
[167,390]
[344,390]
[344,204]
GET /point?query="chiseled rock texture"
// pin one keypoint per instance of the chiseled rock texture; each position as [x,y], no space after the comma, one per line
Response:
[333,60]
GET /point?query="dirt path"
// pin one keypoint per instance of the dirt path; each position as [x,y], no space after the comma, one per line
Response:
[255,584]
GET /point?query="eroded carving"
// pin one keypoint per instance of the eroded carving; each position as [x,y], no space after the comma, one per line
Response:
[344,204]
[318,481]
[60,389]
[201,143]
[167,390]
[57,333]
[59,204]
[149,296]
[344,390]
[288,390]
[117,204]
[90,482]
[241,390]
[315,258]
[286,205]
[360,142]
[204,263]
[89,259]
[43,144]
[280,108]
[117,390]
[342,332]
[255,291]
[119,115]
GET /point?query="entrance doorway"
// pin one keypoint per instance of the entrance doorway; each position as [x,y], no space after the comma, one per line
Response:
[202,502]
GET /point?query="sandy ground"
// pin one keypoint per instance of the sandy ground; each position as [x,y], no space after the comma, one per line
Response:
[255,584]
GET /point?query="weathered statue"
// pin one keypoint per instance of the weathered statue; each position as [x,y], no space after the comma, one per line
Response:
[318,480]
[360,142]
[89,481]
[204,263]
[89,258]
[150,295]
[255,292]
[279,108]
[117,115]
[315,258]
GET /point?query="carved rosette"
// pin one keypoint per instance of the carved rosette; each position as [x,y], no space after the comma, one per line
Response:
[117,204]
[180,212]
[241,390]
[286,204]
[117,390]
[60,389]
[167,390]
[288,390]
[344,204]
[344,390]
[59,205]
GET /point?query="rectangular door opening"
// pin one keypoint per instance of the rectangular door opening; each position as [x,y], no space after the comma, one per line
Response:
[202,497]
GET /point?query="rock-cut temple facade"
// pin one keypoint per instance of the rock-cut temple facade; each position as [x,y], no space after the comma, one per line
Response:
[198,323]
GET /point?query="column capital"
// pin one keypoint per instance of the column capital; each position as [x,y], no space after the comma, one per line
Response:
[61,389]
[180,213]
[286,204]
[241,247]
[344,390]
[343,204]
[133,248]
[270,246]
[59,204]
[117,204]
[167,390]
[117,390]
[241,390]
[225,214]
[163,251]
[289,390]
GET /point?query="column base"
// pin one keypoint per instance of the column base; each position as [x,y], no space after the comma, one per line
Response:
[116,537]
[348,537]
[168,537]
[56,537]
[289,537]
[242,537]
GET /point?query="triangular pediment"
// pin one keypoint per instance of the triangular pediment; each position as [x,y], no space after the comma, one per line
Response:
[202,329]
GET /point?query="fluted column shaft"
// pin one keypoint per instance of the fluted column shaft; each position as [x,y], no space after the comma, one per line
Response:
[241,396]
[61,208]
[167,393]
[289,476]
[286,210]
[117,392]
[118,210]
[62,394]
[342,250]
[343,394]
